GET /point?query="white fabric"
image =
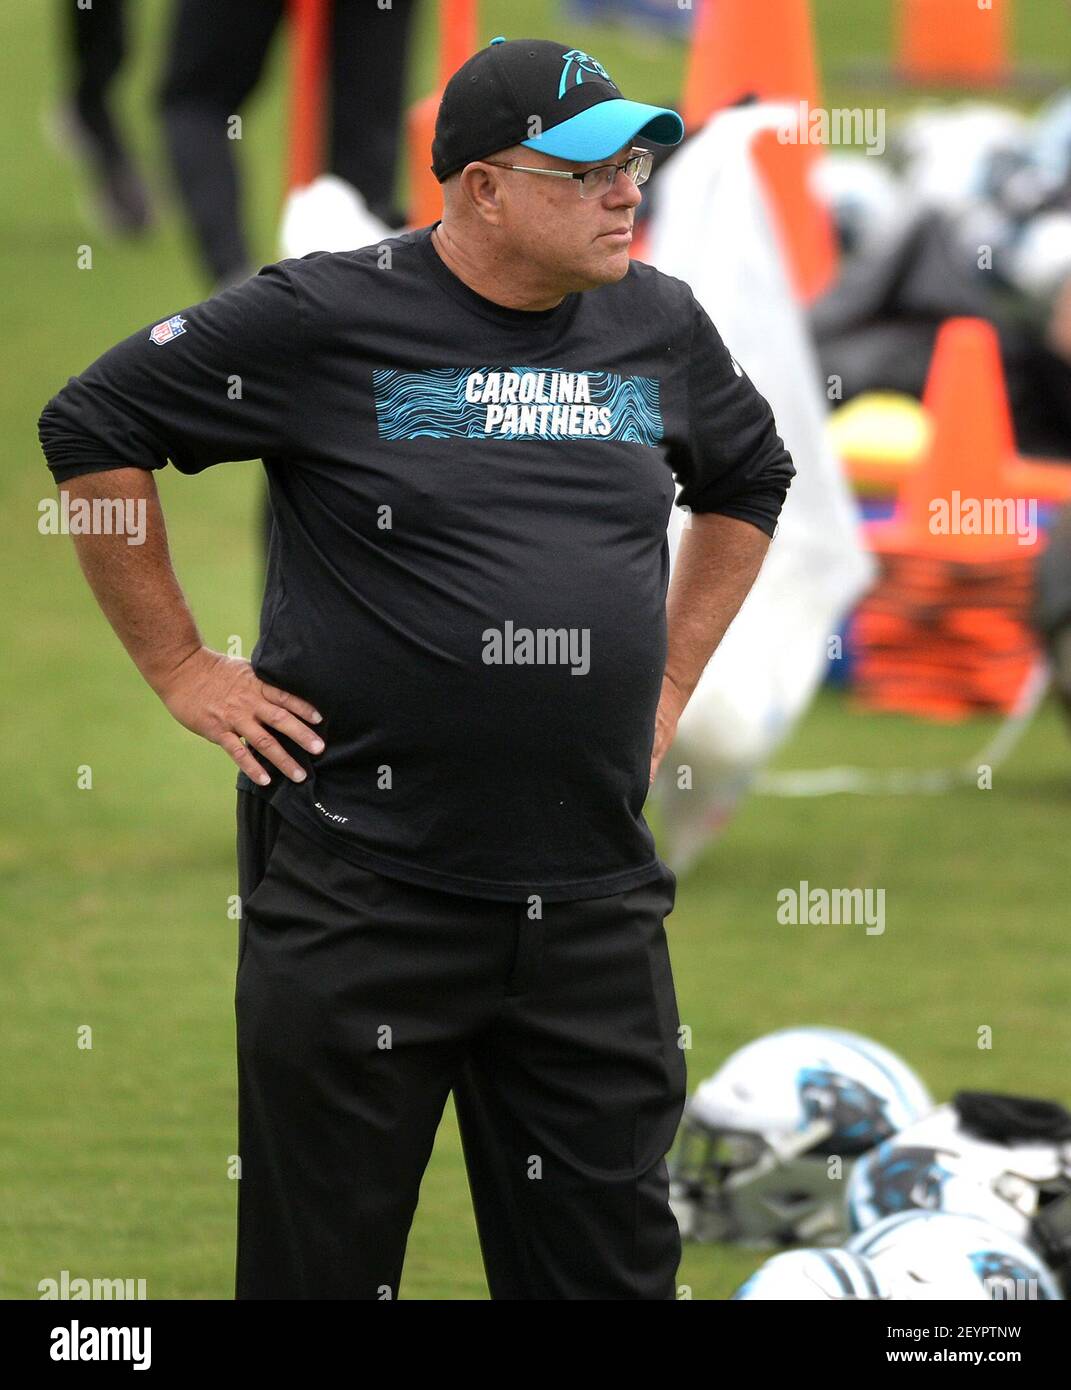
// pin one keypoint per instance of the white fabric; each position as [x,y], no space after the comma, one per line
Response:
[712,229]
[328,215]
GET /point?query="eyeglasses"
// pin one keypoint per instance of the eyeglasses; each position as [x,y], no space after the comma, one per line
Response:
[594,183]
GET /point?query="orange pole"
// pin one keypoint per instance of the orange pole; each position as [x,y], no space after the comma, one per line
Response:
[309,61]
[457,42]
[457,36]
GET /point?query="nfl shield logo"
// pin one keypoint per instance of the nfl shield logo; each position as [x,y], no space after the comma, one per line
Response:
[164,332]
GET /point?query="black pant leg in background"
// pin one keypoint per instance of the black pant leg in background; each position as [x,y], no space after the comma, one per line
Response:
[369,59]
[215,57]
[95,43]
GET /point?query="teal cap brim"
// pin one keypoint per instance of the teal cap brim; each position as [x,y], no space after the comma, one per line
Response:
[603,129]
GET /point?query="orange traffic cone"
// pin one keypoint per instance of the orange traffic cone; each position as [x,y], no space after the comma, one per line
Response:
[964,472]
[953,41]
[742,48]
[457,42]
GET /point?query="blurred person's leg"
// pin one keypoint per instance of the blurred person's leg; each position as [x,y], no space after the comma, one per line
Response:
[215,58]
[369,55]
[95,46]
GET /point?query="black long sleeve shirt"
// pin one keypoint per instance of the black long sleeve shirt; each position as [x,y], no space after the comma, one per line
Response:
[468,567]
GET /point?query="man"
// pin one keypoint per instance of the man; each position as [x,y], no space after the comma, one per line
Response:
[462,687]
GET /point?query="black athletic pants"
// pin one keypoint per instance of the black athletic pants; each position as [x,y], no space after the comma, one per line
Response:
[95,46]
[362,1001]
[216,54]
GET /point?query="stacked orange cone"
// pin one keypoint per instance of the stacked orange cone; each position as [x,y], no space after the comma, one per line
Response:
[945,631]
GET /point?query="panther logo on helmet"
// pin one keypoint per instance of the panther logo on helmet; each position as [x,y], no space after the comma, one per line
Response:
[858,1117]
[903,1178]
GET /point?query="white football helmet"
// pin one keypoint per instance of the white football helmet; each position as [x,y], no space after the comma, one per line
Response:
[752,1159]
[1021,1187]
[926,1255]
[872,209]
[803,1275]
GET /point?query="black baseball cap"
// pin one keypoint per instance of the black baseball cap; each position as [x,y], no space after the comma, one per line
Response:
[497,96]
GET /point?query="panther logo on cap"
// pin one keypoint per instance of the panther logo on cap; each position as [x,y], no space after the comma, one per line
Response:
[577,63]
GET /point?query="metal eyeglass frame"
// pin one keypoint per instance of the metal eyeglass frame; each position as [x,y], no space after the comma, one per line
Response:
[643,160]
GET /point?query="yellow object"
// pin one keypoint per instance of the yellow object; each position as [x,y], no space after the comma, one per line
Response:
[881,435]
[883,425]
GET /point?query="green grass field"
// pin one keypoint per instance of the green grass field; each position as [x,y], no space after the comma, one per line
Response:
[113,1161]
